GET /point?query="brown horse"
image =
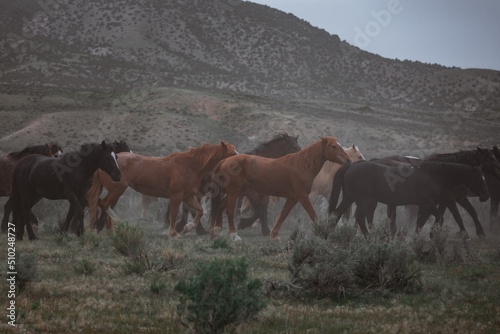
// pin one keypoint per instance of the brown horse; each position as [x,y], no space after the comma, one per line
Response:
[322,184]
[176,176]
[7,165]
[290,176]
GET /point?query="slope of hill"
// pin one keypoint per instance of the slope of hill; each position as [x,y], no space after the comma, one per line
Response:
[229,46]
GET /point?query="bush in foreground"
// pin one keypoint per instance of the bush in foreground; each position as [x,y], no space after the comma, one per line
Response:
[218,295]
[327,265]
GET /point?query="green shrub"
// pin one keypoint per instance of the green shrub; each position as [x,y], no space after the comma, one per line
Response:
[158,288]
[26,269]
[333,262]
[85,267]
[221,243]
[128,240]
[218,295]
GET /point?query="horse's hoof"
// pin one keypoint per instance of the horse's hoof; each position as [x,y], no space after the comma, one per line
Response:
[275,238]
[175,235]
[234,237]
[188,227]
[33,238]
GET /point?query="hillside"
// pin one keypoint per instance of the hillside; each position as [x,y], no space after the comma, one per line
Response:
[226,46]
[158,121]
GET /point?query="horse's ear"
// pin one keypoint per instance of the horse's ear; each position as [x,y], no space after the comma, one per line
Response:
[354,147]
[224,145]
[103,144]
[297,137]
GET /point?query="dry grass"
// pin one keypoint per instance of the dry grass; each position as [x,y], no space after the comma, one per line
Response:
[452,296]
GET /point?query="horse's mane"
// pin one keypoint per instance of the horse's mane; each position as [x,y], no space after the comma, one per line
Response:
[464,157]
[263,145]
[441,168]
[307,157]
[202,154]
[38,149]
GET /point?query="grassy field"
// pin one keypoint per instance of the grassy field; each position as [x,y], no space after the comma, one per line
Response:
[85,285]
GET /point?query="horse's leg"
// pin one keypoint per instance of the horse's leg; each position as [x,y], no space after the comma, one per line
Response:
[216,226]
[452,206]
[7,209]
[422,216]
[262,214]
[167,217]
[175,202]
[193,202]
[493,211]
[231,198]
[26,218]
[68,219]
[253,198]
[370,213]
[289,204]
[341,209]
[306,203]
[391,210]
[465,203]
[359,214]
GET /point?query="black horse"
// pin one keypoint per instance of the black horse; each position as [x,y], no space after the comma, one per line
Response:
[36,177]
[118,147]
[7,165]
[280,145]
[493,184]
[480,158]
[366,183]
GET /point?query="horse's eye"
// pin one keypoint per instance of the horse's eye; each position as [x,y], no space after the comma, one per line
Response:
[333,146]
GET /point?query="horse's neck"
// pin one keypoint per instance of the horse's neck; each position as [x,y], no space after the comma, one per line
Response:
[463,157]
[311,159]
[450,176]
[88,164]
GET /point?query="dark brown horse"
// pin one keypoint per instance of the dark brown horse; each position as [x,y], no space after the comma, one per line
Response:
[290,176]
[365,183]
[176,176]
[480,158]
[493,184]
[37,176]
[7,165]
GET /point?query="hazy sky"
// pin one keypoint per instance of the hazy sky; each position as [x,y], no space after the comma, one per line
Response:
[463,33]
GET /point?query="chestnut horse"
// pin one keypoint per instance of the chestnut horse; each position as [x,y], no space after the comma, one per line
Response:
[177,176]
[290,176]
[7,165]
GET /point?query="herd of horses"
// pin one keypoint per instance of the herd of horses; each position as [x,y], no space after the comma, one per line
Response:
[277,168]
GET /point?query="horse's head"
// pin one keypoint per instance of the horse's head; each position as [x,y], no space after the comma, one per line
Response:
[333,151]
[108,161]
[228,150]
[489,162]
[55,150]
[354,154]
[121,146]
[477,184]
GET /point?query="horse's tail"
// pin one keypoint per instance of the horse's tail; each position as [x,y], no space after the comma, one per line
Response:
[338,180]
[93,198]
[216,195]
